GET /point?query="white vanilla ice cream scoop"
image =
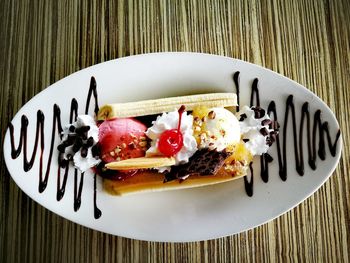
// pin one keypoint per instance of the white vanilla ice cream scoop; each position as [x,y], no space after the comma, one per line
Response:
[218,129]
[251,128]
[168,121]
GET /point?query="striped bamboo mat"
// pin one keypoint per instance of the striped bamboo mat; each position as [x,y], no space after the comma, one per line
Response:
[307,41]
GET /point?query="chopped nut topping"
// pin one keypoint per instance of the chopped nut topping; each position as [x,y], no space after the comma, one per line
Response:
[112,153]
[197,128]
[131,145]
[197,121]
[204,119]
[203,135]
[223,132]
[264,131]
[143,143]
[124,145]
[242,117]
[211,115]
[266,122]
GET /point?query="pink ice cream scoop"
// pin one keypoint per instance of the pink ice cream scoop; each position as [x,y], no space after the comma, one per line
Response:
[122,139]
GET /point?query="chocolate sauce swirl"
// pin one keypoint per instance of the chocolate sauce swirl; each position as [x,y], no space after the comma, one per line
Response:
[319,130]
[40,135]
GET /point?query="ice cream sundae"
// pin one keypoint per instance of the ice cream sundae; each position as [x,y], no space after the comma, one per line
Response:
[193,141]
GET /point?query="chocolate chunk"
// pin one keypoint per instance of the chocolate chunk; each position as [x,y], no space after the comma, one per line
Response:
[266,122]
[246,140]
[84,136]
[273,136]
[242,117]
[83,151]
[76,148]
[81,130]
[258,112]
[72,128]
[70,140]
[275,125]
[61,147]
[268,141]
[77,144]
[90,142]
[95,150]
[203,162]
[264,131]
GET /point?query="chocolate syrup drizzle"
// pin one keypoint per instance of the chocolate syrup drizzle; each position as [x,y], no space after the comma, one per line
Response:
[56,129]
[318,127]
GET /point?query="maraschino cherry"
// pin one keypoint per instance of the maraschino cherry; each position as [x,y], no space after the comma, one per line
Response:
[171,141]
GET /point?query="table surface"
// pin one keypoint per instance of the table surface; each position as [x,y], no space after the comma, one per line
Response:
[307,41]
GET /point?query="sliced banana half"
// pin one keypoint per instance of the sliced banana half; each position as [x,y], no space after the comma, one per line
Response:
[157,106]
[141,163]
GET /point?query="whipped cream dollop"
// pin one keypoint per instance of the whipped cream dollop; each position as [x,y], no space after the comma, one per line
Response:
[255,129]
[220,128]
[168,121]
[79,138]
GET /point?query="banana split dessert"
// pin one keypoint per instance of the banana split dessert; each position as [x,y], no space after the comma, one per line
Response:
[170,143]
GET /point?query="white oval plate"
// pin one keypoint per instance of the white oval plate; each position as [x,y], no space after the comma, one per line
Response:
[184,215]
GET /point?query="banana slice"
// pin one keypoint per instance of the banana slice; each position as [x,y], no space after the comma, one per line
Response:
[141,163]
[150,107]
[150,181]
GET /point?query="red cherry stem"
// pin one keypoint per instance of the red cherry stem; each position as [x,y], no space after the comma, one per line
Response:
[180,111]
